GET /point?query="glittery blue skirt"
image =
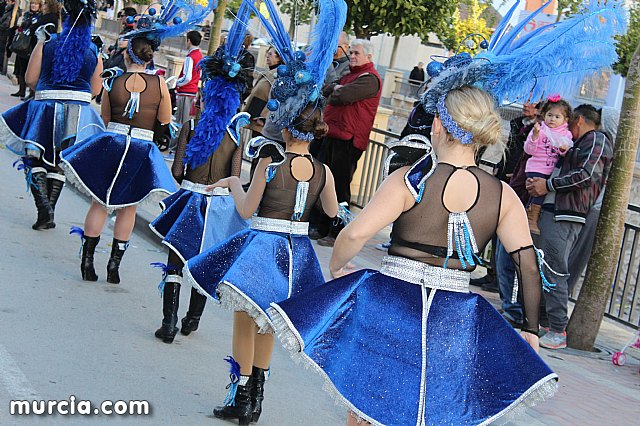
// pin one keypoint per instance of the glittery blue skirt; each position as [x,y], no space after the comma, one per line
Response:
[252,269]
[394,352]
[49,125]
[117,170]
[192,222]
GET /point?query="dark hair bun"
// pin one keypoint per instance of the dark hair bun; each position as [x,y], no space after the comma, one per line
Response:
[311,121]
[142,49]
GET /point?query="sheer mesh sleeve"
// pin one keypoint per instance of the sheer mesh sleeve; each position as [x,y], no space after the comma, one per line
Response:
[529,286]
[177,169]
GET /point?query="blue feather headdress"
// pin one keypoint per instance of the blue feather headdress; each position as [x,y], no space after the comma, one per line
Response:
[226,76]
[552,59]
[300,79]
[168,23]
[70,45]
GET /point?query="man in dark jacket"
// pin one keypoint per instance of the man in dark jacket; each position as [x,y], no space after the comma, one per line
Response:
[416,75]
[571,191]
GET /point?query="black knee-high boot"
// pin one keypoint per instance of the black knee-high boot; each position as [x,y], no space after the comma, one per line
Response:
[55,182]
[257,391]
[39,191]
[170,301]
[117,251]
[86,265]
[196,306]
[238,406]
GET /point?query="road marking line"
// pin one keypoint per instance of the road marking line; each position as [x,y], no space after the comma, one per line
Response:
[13,379]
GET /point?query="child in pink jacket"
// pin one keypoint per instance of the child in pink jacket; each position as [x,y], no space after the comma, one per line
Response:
[546,142]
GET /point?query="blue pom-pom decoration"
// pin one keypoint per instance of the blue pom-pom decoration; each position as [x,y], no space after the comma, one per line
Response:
[152,11]
[130,20]
[484,44]
[303,77]
[177,20]
[300,56]
[434,68]
[273,104]
[282,70]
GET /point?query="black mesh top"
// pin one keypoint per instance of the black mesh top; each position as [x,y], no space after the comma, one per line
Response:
[420,233]
[279,198]
[150,99]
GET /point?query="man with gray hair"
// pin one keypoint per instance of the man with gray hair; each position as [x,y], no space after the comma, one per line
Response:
[351,108]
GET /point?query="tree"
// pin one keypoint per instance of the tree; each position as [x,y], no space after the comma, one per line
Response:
[594,294]
[474,23]
[627,43]
[216,27]
[367,18]
[567,8]
[299,12]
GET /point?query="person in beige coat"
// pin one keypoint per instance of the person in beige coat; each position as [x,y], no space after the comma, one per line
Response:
[256,102]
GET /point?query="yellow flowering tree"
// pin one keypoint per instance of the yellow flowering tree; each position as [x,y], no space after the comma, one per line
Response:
[473,23]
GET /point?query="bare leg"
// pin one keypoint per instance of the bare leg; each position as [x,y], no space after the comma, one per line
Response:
[94,221]
[263,350]
[125,221]
[244,331]
[352,420]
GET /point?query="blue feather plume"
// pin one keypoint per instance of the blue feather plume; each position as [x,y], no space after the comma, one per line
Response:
[274,27]
[221,100]
[300,79]
[558,57]
[332,17]
[169,22]
[234,376]
[70,47]
[76,230]
[238,30]
[552,59]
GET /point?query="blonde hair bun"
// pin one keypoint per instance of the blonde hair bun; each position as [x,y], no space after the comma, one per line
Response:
[474,111]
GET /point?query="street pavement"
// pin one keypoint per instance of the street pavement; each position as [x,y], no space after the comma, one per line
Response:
[61,336]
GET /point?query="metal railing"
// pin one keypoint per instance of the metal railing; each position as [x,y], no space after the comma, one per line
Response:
[372,168]
[624,301]
[406,87]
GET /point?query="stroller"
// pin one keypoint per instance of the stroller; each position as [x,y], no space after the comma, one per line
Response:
[620,358]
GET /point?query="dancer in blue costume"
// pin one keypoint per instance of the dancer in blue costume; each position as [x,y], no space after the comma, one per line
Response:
[64,70]
[195,218]
[409,345]
[122,166]
[274,259]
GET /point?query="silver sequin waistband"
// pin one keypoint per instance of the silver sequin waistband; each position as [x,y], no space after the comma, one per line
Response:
[426,275]
[278,225]
[201,188]
[62,95]
[135,132]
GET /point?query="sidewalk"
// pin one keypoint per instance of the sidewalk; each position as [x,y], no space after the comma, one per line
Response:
[592,390]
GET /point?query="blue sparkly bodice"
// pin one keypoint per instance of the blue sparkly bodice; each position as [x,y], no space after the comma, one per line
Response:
[81,84]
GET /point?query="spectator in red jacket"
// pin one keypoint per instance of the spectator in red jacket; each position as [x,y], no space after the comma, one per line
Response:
[351,108]
[187,84]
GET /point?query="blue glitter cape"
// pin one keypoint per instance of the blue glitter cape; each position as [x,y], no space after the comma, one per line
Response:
[397,353]
[192,222]
[117,170]
[254,268]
